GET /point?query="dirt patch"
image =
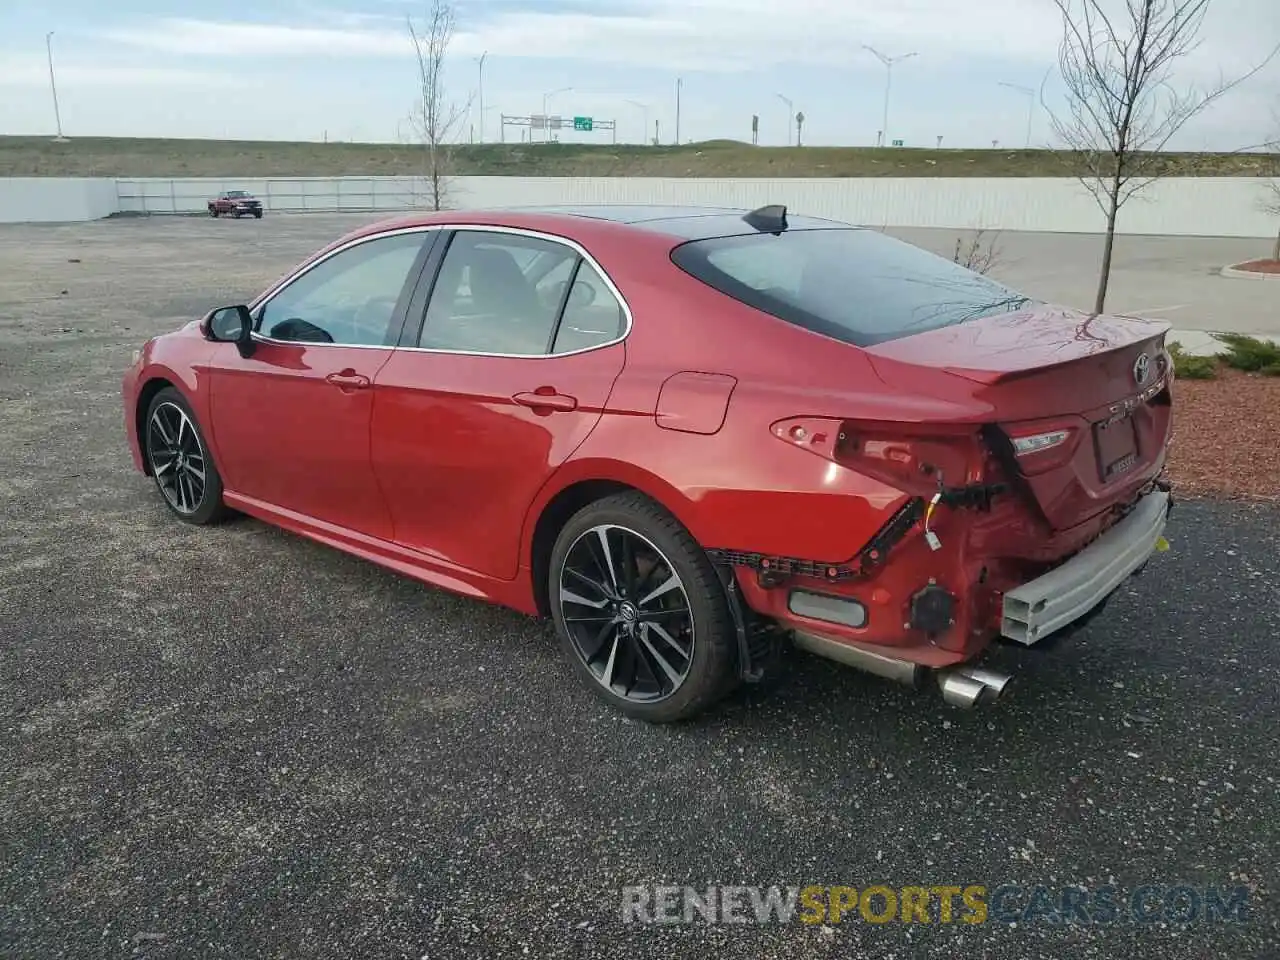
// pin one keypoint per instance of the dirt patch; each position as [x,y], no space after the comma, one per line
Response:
[1267,266]
[1221,436]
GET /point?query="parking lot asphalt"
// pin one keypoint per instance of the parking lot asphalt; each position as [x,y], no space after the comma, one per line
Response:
[232,742]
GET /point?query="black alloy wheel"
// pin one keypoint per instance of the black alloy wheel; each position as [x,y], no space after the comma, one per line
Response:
[627,613]
[178,460]
[640,610]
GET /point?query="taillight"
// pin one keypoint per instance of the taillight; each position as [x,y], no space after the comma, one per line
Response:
[1042,446]
[915,457]
[1039,441]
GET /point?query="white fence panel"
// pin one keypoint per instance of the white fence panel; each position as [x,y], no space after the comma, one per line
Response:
[49,200]
[1223,207]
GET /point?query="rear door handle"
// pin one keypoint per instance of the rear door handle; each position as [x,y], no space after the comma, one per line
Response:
[348,380]
[546,398]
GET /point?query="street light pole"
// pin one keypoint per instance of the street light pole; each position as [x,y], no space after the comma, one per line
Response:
[545,97]
[53,85]
[679,88]
[790,114]
[888,85]
[644,107]
[480,60]
[1031,105]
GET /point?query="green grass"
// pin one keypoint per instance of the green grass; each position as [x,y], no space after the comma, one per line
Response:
[124,157]
[1250,354]
[1190,366]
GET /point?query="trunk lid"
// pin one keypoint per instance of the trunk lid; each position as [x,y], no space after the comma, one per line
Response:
[1093,388]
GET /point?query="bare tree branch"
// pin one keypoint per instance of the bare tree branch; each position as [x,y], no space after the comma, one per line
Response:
[1271,193]
[981,255]
[435,120]
[1122,105]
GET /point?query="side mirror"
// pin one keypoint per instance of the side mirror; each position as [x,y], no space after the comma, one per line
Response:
[230,325]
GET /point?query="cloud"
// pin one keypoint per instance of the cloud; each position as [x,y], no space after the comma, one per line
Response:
[35,73]
[709,35]
[185,37]
[726,36]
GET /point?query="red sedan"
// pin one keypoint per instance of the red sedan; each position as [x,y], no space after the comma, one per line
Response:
[689,436]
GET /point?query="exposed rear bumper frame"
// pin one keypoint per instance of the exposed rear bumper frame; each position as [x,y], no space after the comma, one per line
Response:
[1056,599]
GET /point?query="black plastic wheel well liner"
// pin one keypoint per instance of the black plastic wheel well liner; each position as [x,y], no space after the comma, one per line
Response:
[145,396]
[552,520]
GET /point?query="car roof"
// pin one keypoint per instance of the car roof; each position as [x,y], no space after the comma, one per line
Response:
[676,222]
[689,222]
[685,222]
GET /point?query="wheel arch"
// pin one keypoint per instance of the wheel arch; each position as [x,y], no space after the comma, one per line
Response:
[569,490]
[146,393]
[155,379]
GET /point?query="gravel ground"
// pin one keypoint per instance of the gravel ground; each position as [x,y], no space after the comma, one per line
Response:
[1214,420]
[235,743]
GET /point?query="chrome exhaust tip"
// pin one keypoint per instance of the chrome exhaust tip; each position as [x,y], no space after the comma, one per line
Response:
[967,687]
[961,691]
[996,681]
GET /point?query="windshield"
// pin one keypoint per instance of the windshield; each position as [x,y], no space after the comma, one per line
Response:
[236,194]
[855,285]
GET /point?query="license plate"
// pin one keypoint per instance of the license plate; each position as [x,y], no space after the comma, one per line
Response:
[1117,447]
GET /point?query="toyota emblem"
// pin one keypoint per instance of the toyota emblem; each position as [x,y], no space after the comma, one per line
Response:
[1141,369]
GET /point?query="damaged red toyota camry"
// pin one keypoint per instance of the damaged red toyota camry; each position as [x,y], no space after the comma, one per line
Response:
[689,436]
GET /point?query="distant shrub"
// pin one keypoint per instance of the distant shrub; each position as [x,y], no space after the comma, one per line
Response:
[1189,366]
[1250,353]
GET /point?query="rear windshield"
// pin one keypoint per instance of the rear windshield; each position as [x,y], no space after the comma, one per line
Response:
[856,285]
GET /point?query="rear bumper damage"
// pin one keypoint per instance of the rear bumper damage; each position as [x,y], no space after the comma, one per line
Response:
[1060,600]
[1066,593]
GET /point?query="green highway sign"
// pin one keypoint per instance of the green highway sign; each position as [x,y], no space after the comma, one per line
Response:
[897,143]
[582,123]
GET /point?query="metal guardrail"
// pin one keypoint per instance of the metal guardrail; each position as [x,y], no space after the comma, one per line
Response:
[281,195]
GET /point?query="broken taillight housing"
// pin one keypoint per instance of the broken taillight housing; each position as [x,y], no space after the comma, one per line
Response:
[910,456]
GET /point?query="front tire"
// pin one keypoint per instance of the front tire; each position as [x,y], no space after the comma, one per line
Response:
[640,612]
[179,461]
[213,211]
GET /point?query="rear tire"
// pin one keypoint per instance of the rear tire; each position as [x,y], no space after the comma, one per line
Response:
[640,612]
[257,214]
[179,460]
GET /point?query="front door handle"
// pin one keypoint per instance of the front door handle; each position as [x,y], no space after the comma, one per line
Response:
[546,398]
[348,380]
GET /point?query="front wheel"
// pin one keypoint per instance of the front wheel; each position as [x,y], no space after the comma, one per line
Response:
[640,611]
[213,211]
[178,458]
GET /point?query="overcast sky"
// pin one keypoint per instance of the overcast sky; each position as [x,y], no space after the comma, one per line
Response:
[298,69]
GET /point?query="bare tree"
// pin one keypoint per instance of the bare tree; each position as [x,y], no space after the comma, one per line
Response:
[1122,106]
[1271,199]
[435,119]
[981,255]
